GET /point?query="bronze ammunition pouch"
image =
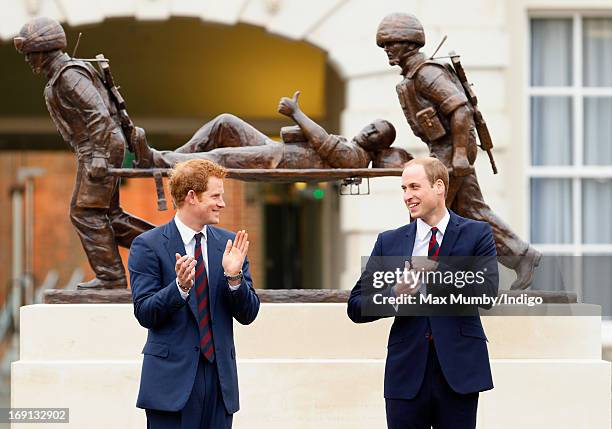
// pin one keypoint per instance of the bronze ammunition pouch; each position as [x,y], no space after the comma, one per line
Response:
[430,124]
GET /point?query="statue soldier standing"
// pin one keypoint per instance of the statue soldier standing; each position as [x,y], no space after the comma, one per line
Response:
[439,113]
[79,105]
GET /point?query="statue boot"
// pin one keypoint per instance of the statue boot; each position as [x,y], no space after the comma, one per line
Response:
[524,266]
[97,283]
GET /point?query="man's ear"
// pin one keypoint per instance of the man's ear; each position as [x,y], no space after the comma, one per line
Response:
[440,189]
[189,197]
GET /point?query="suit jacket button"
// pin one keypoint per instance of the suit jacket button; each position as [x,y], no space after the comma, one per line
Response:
[196,348]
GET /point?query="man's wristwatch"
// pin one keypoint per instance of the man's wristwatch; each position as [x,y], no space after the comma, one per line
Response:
[233,278]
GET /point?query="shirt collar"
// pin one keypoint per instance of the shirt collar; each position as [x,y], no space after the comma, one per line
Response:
[187,234]
[423,229]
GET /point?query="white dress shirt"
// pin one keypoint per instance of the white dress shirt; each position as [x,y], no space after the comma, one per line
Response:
[188,237]
[423,235]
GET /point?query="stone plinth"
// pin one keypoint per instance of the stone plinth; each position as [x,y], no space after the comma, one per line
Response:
[306,365]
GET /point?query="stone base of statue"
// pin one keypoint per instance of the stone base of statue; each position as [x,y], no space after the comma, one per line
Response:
[305,365]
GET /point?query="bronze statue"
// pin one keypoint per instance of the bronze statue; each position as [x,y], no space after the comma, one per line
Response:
[438,111]
[234,143]
[83,113]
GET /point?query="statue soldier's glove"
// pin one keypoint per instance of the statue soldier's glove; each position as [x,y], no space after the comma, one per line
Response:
[460,167]
[98,168]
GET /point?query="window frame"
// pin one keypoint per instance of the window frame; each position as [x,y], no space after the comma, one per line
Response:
[577,172]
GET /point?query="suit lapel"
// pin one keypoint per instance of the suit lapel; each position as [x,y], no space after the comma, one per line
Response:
[450,235]
[215,255]
[175,245]
[408,244]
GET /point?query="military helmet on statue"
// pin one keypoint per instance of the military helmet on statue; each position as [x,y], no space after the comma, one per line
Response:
[400,27]
[40,35]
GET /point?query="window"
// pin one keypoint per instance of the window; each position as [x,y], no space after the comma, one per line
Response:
[570,157]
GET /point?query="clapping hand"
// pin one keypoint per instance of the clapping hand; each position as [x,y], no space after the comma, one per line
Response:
[185,271]
[235,252]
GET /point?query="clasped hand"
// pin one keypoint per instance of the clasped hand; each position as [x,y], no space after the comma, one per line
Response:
[411,282]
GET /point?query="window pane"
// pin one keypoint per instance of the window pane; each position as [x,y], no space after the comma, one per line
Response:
[551,52]
[551,131]
[556,272]
[598,130]
[597,48]
[597,211]
[551,211]
[596,275]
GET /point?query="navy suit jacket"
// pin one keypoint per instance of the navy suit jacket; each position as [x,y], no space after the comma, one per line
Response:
[460,341]
[171,352]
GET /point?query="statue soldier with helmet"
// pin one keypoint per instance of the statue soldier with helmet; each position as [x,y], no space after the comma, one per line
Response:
[83,113]
[440,108]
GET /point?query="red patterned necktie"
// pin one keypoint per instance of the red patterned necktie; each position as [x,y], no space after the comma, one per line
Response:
[201,286]
[434,248]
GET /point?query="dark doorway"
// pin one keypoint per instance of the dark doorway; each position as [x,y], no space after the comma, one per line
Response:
[293,241]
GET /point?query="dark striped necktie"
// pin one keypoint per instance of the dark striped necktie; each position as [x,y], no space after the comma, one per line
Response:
[201,286]
[434,248]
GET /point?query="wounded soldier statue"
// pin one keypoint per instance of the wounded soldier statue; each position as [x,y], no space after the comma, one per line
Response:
[234,143]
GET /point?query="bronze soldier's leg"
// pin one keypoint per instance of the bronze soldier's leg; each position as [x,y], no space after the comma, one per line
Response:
[265,156]
[225,130]
[95,232]
[125,226]
[512,252]
[168,158]
[226,140]
[98,240]
[453,187]
[470,203]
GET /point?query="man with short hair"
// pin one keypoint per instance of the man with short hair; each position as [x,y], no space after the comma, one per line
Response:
[436,365]
[189,279]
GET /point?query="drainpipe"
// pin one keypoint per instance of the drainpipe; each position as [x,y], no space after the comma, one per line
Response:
[23,239]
